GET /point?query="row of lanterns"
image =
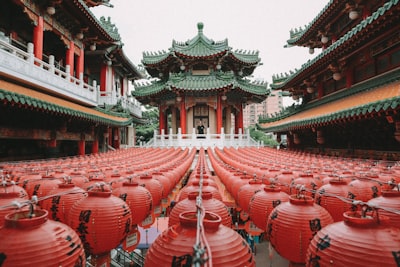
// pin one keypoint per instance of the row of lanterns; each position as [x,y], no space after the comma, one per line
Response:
[303,227]
[278,200]
[101,216]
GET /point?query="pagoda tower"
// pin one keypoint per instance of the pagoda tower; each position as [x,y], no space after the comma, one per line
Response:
[200,81]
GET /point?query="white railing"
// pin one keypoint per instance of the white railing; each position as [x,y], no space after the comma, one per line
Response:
[111,98]
[22,65]
[202,140]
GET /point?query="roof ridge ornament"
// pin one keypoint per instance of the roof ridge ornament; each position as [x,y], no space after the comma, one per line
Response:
[200,26]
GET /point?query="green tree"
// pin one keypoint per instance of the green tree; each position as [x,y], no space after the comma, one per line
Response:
[146,131]
[261,136]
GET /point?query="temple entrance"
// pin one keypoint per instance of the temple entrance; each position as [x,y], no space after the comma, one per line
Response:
[201,116]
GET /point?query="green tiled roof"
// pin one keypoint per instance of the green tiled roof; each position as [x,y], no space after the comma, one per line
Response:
[345,38]
[377,106]
[200,83]
[197,47]
[120,120]
[374,95]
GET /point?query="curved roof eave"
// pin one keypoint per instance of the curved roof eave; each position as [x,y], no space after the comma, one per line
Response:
[345,38]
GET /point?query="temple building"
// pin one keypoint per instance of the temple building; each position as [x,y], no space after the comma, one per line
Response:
[64,81]
[349,93]
[200,81]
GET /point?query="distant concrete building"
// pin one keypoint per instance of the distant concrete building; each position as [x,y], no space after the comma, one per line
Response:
[273,104]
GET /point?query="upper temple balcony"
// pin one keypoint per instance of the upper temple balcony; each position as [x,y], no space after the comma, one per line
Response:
[17,62]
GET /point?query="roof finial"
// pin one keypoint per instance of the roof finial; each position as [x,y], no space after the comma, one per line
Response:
[200,26]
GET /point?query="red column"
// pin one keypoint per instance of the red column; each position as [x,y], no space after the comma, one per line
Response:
[320,89]
[80,64]
[161,118]
[237,123]
[219,114]
[183,116]
[38,39]
[95,146]
[349,77]
[81,147]
[103,78]
[69,57]
[116,143]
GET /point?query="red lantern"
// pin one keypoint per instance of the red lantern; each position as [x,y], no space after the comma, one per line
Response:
[101,220]
[389,201]
[363,190]
[331,195]
[30,239]
[10,187]
[263,202]
[195,187]
[61,201]
[176,244]
[246,192]
[291,226]
[9,202]
[154,186]
[357,241]
[42,187]
[138,198]
[209,204]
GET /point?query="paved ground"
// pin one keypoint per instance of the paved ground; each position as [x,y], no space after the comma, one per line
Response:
[265,259]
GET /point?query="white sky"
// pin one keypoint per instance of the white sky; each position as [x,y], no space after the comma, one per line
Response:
[262,25]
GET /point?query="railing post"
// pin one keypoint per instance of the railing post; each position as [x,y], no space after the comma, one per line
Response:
[240,136]
[67,72]
[222,137]
[30,49]
[170,137]
[155,138]
[162,137]
[179,137]
[51,63]
[208,135]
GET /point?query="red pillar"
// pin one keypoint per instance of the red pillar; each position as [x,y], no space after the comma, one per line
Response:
[80,64]
[116,136]
[38,39]
[69,57]
[237,123]
[81,147]
[103,78]
[183,116]
[95,146]
[349,77]
[320,90]
[219,114]
[161,119]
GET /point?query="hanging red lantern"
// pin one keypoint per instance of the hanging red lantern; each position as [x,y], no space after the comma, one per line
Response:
[291,226]
[29,238]
[154,186]
[195,187]
[42,187]
[209,204]
[137,197]
[357,241]
[387,202]
[9,202]
[331,195]
[284,180]
[175,245]
[101,220]
[363,189]
[263,202]
[246,192]
[61,200]
[10,187]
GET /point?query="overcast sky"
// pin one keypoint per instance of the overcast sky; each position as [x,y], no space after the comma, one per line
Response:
[262,25]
